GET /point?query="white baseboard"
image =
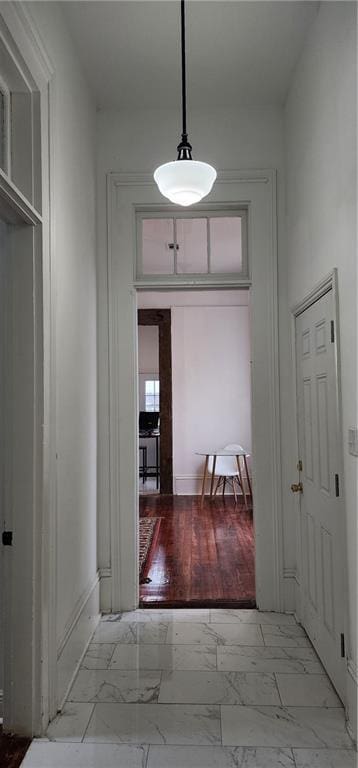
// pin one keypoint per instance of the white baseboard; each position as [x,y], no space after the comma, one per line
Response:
[289,589]
[76,638]
[352,700]
[105,590]
[191,485]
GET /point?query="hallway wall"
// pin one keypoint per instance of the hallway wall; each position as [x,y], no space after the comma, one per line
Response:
[73,179]
[321,209]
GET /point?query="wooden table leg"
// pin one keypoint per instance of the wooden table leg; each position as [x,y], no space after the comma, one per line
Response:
[248,477]
[204,480]
[217,486]
[157,460]
[212,477]
[241,480]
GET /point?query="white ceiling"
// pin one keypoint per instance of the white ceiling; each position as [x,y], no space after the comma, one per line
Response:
[237,52]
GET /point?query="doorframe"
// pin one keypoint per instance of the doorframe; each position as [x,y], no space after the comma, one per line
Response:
[21,37]
[118,503]
[320,289]
[161,318]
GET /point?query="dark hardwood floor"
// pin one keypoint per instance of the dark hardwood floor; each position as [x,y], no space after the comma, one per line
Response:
[202,557]
[12,750]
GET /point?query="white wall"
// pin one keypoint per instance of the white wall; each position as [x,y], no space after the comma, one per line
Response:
[210,376]
[148,349]
[76,364]
[320,124]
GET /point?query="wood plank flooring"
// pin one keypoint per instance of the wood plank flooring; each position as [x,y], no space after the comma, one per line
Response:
[203,557]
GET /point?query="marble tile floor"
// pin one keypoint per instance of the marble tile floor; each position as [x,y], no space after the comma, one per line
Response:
[198,689]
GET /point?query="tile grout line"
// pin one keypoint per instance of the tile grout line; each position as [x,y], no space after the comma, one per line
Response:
[278,690]
[147,756]
[87,726]
[263,636]
[113,652]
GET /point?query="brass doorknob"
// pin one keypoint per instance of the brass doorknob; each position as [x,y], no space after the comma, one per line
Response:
[297,488]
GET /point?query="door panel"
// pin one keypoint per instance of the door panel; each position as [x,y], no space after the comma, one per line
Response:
[322,533]
[308,451]
[312,570]
[323,447]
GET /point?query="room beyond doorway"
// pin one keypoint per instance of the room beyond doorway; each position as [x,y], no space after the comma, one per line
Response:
[202,557]
[202,548]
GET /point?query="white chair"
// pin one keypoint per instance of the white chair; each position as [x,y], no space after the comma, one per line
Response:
[227,470]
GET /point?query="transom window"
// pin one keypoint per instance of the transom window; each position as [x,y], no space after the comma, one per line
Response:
[197,243]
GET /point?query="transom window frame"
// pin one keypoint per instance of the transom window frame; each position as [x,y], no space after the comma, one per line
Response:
[197,212]
[5,128]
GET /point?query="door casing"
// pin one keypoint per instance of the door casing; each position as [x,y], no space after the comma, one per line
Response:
[328,283]
[126,195]
[38,671]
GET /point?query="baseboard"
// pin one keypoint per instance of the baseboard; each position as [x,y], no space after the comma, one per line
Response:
[191,485]
[352,700]
[76,638]
[105,590]
[290,573]
[289,589]
[352,671]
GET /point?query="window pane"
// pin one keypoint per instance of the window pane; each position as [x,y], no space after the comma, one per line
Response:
[192,241]
[225,244]
[149,387]
[157,253]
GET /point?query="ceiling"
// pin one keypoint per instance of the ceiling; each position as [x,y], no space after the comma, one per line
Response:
[238,53]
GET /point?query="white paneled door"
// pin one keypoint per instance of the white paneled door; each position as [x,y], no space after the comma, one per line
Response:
[321,507]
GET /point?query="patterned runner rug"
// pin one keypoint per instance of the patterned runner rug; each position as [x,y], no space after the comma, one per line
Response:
[148,533]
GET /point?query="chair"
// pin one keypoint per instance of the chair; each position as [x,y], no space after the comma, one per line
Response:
[227,471]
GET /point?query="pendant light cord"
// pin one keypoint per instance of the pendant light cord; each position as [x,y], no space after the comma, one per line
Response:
[184,148]
[183,66]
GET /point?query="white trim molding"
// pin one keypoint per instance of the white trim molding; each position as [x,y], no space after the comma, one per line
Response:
[74,643]
[126,193]
[13,204]
[76,613]
[352,699]
[192,485]
[352,670]
[328,283]
[290,573]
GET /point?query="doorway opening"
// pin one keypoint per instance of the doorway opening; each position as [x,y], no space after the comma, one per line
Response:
[196,542]
[155,400]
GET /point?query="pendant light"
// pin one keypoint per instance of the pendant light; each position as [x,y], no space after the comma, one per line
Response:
[184,181]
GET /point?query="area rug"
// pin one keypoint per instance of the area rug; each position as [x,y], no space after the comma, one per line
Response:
[148,534]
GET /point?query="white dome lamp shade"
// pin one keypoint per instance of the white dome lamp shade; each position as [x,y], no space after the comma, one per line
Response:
[184,181]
